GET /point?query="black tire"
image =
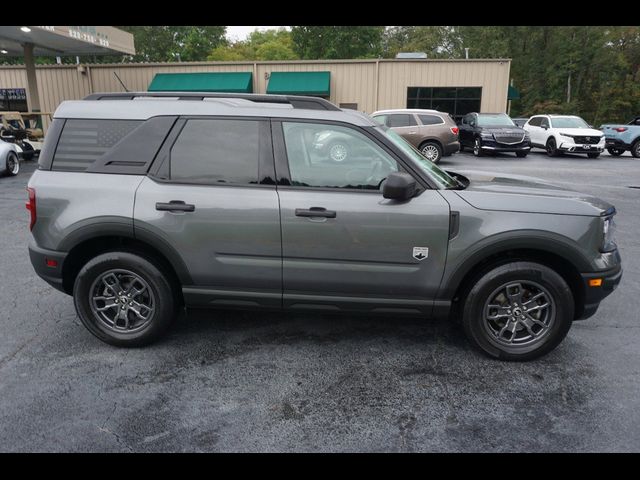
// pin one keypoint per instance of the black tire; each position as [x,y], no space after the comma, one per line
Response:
[28,151]
[12,164]
[635,149]
[163,297]
[521,154]
[431,151]
[477,151]
[559,316]
[461,147]
[593,155]
[551,147]
[615,152]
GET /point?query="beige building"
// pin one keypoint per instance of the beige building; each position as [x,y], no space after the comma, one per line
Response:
[454,86]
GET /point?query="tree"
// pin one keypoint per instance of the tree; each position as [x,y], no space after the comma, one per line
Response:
[175,43]
[318,42]
[266,45]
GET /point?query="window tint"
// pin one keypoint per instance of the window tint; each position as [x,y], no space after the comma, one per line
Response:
[217,152]
[430,119]
[332,156]
[401,120]
[535,121]
[82,142]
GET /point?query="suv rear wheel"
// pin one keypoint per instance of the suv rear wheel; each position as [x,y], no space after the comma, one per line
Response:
[518,311]
[635,149]
[12,164]
[124,299]
[432,151]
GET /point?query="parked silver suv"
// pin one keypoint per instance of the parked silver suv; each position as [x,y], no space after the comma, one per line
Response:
[432,132]
[142,205]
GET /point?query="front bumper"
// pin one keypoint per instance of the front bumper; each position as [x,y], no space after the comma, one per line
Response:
[504,147]
[570,147]
[50,274]
[594,295]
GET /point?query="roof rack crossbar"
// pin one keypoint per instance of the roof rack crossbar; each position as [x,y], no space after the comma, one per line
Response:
[295,101]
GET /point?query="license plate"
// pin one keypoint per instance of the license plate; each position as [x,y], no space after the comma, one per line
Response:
[586,147]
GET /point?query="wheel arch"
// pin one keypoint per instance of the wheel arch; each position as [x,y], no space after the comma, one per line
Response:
[558,257]
[145,245]
[431,140]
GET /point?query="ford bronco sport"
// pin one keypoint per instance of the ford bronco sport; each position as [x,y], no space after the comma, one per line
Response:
[149,202]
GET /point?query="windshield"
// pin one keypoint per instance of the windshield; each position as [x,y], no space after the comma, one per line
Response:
[568,122]
[442,179]
[495,120]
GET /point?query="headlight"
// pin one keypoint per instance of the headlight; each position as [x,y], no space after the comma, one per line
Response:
[486,136]
[566,135]
[608,232]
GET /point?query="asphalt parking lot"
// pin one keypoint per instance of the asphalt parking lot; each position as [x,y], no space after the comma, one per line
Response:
[251,381]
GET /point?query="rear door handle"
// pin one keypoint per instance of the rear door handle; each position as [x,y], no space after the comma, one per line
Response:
[175,206]
[315,212]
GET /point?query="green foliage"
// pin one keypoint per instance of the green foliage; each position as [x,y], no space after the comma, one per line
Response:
[322,42]
[589,71]
[175,43]
[267,45]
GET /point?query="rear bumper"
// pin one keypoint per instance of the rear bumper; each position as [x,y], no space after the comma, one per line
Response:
[616,143]
[451,148]
[594,295]
[50,274]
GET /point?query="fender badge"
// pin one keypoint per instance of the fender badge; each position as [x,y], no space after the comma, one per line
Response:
[420,253]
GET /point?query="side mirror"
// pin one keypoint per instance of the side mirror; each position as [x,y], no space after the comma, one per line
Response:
[399,186]
[545,127]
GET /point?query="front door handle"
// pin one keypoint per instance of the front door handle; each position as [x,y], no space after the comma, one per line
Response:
[315,212]
[175,206]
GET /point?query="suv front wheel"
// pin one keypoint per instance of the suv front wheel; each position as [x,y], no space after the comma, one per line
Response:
[124,299]
[518,311]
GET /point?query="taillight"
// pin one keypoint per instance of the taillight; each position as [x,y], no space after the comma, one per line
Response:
[31,206]
[454,130]
[621,129]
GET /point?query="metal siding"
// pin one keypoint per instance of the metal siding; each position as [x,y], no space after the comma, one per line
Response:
[352,81]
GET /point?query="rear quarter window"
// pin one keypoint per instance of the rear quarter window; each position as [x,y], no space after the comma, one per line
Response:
[84,141]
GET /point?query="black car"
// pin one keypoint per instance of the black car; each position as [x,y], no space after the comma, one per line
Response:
[494,133]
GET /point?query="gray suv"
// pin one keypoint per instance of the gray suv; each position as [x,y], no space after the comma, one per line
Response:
[432,132]
[144,203]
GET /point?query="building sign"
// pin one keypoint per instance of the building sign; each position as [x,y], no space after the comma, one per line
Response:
[13,100]
[101,36]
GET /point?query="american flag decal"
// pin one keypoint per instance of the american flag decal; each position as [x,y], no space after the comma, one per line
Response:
[83,141]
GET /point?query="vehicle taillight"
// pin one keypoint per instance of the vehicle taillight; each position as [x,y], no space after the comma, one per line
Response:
[454,130]
[621,129]
[31,206]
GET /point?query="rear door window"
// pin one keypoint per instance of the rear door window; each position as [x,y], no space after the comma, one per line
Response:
[217,151]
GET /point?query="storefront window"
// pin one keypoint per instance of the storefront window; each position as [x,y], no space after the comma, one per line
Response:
[457,101]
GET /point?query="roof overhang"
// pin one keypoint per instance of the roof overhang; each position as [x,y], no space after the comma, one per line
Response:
[65,40]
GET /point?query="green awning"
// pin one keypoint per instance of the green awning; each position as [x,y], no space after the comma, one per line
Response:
[513,94]
[300,83]
[232,82]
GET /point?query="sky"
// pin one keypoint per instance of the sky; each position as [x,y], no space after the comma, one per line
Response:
[241,33]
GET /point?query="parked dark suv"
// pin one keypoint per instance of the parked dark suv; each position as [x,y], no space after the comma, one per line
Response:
[142,205]
[493,133]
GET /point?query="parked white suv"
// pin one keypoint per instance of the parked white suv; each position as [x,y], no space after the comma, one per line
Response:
[564,133]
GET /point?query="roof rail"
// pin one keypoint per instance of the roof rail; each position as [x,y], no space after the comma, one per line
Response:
[309,103]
